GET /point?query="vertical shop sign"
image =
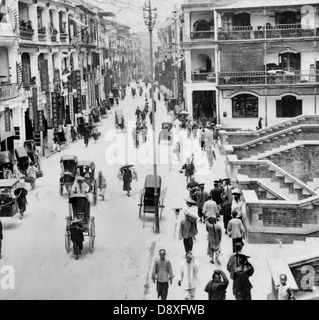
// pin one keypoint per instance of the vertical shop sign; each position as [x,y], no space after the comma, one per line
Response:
[40,117]
[54,110]
[35,109]
[48,109]
[78,90]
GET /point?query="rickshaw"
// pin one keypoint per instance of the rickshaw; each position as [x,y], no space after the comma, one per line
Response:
[95,115]
[32,152]
[24,166]
[86,169]
[80,121]
[68,166]
[119,120]
[6,165]
[166,133]
[8,204]
[79,216]
[103,109]
[147,203]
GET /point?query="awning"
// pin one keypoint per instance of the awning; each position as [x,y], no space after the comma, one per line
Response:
[83,25]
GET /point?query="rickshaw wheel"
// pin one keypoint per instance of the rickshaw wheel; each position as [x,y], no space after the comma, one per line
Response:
[61,189]
[141,205]
[95,193]
[91,235]
[67,241]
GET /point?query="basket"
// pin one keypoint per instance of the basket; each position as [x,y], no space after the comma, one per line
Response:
[39,174]
[28,179]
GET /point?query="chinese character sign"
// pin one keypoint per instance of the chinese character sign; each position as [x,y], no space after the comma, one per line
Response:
[54,110]
[44,75]
[41,122]
[78,90]
[7,121]
[35,109]
[48,109]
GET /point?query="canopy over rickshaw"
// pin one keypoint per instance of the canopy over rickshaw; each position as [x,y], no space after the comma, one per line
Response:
[147,202]
[86,169]
[79,212]
[68,168]
[8,205]
[6,165]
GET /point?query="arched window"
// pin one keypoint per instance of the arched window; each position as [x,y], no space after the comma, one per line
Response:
[245,106]
[288,107]
[201,25]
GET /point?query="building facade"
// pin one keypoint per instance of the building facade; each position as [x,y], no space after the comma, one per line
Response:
[248,59]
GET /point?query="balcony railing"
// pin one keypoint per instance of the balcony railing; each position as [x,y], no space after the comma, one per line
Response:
[202,35]
[204,77]
[269,77]
[53,37]
[63,37]
[42,37]
[269,32]
[9,91]
[26,34]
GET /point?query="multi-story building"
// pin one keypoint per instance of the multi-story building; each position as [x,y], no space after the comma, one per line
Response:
[12,102]
[249,59]
[169,67]
[145,51]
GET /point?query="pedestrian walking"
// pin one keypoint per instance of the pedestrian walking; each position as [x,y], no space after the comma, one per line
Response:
[86,133]
[138,113]
[241,284]
[225,211]
[284,291]
[151,117]
[73,134]
[201,197]
[216,288]
[56,143]
[127,179]
[162,274]
[135,137]
[202,138]
[195,130]
[189,271]
[211,156]
[77,237]
[189,129]
[189,168]
[144,131]
[177,150]
[237,204]
[216,137]
[203,120]
[232,263]
[21,198]
[210,208]
[214,239]
[236,229]
[209,137]
[1,238]
[95,133]
[188,227]
[228,190]
[101,184]
[260,126]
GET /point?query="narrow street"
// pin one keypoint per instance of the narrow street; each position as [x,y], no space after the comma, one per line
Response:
[121,264]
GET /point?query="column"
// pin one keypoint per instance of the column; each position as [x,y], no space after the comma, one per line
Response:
[187,24]
[58,61]
[48,56]
[75,60]
[189,100]
[55,15]
[13,58]
[33,16]
[188,60]
[34,67]
[46,22]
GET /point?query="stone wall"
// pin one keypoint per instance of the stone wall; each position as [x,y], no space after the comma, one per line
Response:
[300,162]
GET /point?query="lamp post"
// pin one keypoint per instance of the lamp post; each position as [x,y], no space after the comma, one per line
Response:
[150,15]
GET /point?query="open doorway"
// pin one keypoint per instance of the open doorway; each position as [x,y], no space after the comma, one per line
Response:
[204,102]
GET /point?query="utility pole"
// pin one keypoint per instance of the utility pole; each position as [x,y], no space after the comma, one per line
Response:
[150,15]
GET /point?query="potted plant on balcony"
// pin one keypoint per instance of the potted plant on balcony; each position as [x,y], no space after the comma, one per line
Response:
[29,25]
[23,25]
[42,30]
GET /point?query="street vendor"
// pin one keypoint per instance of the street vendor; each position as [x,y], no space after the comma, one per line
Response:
[101,184]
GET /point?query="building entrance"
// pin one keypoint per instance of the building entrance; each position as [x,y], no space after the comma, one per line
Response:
[204,102]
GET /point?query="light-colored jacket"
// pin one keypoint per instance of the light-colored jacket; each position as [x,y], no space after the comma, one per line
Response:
[236,228]
[189,274]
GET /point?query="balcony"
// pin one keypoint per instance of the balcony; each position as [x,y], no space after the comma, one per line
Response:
[42,35]
[63,37]
[203,77]
[272,77]
[198,35]
[8,91]
[268,32]
[26,34]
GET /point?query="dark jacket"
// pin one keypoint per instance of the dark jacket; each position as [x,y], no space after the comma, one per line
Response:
[1,235]
[241,284]
[217,291]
